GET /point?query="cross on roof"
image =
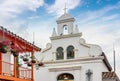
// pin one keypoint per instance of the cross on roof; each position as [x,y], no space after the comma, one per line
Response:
[65,9]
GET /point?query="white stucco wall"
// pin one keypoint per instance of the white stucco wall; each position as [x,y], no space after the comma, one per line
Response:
[80,50]
[45,74]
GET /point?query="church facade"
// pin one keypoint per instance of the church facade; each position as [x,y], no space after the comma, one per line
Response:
[69,58]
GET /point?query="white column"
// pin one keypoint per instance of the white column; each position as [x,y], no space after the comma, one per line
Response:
[76,53]
[54,56]
[65,55]
[77,75]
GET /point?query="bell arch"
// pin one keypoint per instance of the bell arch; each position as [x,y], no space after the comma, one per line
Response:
[65,29]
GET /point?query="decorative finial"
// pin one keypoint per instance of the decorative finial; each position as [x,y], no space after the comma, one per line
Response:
[65,9]
[76,29]
[54,33]
[33,37]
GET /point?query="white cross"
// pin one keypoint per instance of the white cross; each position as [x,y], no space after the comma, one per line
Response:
[65,9]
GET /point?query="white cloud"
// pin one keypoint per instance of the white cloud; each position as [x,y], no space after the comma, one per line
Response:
[98,1]
[91,15]
[114,16]
[10,9]
[59,5]
[34,17]
[42,30]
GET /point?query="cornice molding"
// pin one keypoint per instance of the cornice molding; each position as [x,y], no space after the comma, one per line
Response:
[66,36]
[64,68]
[65,20]
[74,60]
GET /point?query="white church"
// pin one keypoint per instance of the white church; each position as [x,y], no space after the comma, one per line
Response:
[69,58]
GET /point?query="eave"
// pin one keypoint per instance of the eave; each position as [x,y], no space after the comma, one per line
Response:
[22,43]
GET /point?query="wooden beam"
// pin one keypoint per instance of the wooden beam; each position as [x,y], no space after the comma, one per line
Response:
[32,73]
[15,68]
[19,41]
[9,78]
[0,63]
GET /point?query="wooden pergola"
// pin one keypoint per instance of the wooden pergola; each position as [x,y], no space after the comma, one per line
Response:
[24,46]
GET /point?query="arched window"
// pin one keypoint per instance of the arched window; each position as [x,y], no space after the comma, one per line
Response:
[66,77]
[59,54]
[70,52]
[65,29]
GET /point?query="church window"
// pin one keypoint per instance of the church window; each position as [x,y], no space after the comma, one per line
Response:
[66,77]
[89,75]
[59,54]
[70,52]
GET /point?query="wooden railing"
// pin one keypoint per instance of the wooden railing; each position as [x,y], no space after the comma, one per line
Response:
[65,80]
[24,73]
[7,69]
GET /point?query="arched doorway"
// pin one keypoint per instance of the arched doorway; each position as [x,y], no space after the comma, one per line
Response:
[65,77]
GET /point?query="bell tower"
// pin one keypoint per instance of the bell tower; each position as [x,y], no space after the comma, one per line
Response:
[65,24]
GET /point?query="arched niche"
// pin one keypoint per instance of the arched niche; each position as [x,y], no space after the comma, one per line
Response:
[65,29]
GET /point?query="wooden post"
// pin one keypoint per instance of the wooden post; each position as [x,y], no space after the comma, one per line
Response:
[15,72]
[32,73]
[0,63]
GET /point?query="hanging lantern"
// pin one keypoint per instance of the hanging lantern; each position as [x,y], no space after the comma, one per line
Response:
[33,61]
[25,59]
[40,64]
[15,54]
[4,46]
[29,64]
[3,49]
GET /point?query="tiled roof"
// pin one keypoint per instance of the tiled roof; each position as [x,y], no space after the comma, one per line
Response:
[22,42]
[109,75]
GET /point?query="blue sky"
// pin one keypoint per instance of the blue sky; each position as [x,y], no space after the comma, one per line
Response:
[98,20]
